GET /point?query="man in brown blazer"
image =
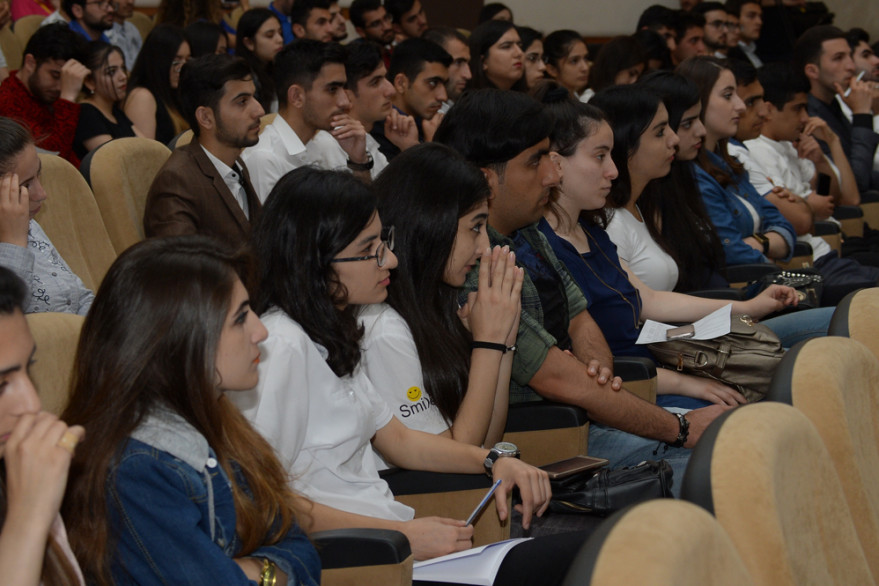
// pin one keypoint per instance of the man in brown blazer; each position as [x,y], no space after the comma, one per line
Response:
[204,188]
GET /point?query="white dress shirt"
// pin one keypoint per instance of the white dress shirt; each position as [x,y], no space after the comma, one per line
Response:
[279,151]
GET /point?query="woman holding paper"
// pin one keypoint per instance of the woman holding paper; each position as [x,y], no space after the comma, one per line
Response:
[588,151]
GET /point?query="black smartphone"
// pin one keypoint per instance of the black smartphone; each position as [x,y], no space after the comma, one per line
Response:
[565,468]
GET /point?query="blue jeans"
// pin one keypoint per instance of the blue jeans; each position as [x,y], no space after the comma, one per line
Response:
[800,325]
[626,449]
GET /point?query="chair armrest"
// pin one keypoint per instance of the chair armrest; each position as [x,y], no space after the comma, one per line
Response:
[540,415]
[825,228]
[639,376]
[342,548]
[802,249]
[730,294]
[404,482]
[749,272]
[847,212]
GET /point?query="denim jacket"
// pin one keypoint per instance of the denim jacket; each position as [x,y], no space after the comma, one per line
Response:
[731,218]
[173,516]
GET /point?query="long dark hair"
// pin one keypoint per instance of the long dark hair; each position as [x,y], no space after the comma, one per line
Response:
[629,109]
[704,71]
[672,206]
[618,54]
[309,217]
[248,26]
[482,39]
[422,193]
[152,70]
[150,341]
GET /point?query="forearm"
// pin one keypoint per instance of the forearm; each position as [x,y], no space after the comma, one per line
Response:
[668,306]
[501,403]
[846,183]
[778,247]
[588,342]
[22,548]
[323,518]
[477,411]
[797,212]
[417,450]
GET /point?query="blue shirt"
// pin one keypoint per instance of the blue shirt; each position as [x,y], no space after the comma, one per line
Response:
[77,28]
[286,25]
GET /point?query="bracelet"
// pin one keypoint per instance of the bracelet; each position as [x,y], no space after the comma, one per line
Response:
[267,577]
[502,348]
[683,433]
[367,166]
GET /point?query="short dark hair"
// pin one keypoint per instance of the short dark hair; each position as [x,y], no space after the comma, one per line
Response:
[736,6]
[744,71]
[202,83]
[678,93]
[855,35]
[686,21]
[67,6]
[410,56]
[397,8]
[528,35]
[489,127]
[705,7]
[657,16]
[300,63]
[442,35]
[558,44]
[492,9]
[12,292]
[359,8]
[809,46]
[781,82]
[301,10]
[55,42]
[360,61]
[203,37]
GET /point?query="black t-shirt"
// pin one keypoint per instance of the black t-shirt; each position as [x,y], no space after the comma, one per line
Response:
[92,123]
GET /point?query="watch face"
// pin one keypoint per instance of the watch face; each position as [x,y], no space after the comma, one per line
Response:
[506,447]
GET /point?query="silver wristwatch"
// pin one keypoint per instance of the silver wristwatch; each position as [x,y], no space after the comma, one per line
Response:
[500,450]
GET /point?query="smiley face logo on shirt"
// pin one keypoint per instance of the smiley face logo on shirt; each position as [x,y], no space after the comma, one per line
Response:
[413,394]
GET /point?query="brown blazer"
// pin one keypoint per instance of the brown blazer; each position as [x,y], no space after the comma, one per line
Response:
[189,196]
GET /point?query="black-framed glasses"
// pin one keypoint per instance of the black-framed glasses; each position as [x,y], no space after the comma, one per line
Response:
[381,253]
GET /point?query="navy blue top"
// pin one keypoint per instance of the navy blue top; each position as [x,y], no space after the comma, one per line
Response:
[614,303]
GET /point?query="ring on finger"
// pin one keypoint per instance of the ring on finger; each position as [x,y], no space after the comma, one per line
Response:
[68,441]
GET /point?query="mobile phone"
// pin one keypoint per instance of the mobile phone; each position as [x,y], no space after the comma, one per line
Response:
[483,502]
[681,333]
[565,468]
[823,184]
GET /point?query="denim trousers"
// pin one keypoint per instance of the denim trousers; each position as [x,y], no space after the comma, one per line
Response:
[800,325]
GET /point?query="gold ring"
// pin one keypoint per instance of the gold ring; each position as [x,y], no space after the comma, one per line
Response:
[68,441]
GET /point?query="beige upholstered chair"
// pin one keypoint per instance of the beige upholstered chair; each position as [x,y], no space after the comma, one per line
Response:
[72,221]
[660,542]
[764,472]
[56,336]
[25,27]
[835,383]
[857,317]
[12,47]
[144,25]
[121,172]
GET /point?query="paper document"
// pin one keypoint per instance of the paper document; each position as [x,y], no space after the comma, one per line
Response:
[478,565]
[713,325]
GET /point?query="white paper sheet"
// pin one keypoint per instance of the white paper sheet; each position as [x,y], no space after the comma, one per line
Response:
[713,325]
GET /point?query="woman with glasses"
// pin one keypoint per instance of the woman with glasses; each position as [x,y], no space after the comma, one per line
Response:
[101,118]
[325,253]
[152,103]
[444,369]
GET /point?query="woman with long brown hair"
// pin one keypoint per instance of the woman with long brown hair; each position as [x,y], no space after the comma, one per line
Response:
[174,485]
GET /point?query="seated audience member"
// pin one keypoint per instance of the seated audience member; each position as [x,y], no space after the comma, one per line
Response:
[496,57]
[310,81]
[438,205]
[35,458]
[21,8]
[532,46]
[407,18]
[59,15]
[656,50]
[456,45]
[690,33]
[325,432]
[372,22]
[123,33]
[338,22]
[182,13]
[561,354]
[153,102]
[574,227]
[419,72]
[259,41]
[204,188]
[774,163]
[495,11]
[661,20]
[750,14]
[311,19]
[567,62]
[42,94]
[173,484]
[823,54]
[866,60]
[750,227]
[91,19]
[715,30]
[282,8]
[732,28]
[24,247]
[619,62]
[206,38]
[101,118]
[370,93]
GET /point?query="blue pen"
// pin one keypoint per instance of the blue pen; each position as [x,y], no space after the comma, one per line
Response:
[482,503]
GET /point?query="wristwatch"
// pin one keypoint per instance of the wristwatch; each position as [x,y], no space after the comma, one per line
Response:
[500,450]
[763,240]
[367,166]
[683,431]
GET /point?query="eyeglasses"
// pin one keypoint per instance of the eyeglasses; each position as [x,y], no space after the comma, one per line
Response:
[381,253]
[103,4]
[178,65]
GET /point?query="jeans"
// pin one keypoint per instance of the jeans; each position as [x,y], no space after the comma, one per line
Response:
[800,325]
[626,449]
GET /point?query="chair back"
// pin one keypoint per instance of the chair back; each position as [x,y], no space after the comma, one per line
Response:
[121,172]
[857,317]
[12,48]
[56,336]
[835,383]
[71,219]
[659,542]
[144,25]
[25,27]
[764,472]
[182,139]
